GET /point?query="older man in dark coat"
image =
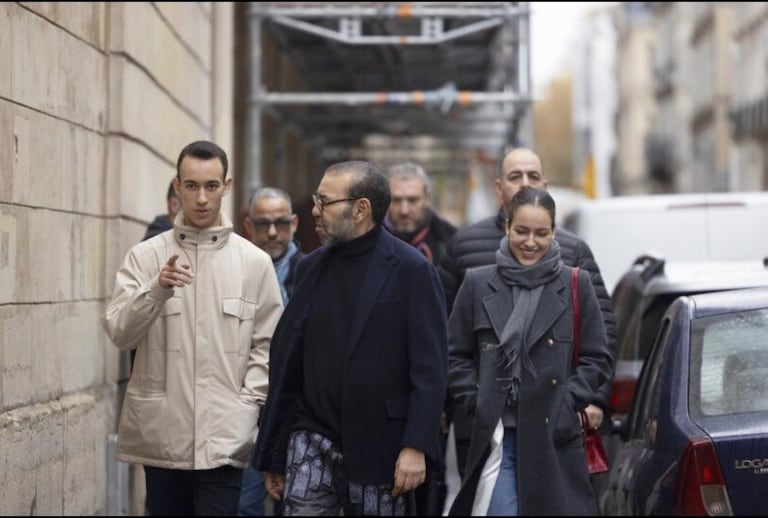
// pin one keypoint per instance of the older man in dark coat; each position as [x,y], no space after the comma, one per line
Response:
[358,362]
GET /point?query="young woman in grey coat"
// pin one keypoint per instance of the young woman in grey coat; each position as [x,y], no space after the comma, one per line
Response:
[510,343]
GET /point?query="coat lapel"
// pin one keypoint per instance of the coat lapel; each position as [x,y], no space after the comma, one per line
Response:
[383,259]
[498,306]
[551,306]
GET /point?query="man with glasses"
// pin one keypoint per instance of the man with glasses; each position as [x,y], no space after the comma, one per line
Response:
[271,225]
[358,362]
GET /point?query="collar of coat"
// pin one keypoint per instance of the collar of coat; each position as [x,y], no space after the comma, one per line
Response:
[211,237]
[498,305]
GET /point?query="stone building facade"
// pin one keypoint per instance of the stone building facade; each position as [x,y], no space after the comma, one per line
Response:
[96,101]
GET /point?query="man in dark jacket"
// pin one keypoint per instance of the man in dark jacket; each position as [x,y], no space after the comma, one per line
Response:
[163,222]
[411,217]
[476,245]
[358,362]
[270,225]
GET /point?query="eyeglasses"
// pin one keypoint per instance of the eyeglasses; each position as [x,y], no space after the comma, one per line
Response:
[322,204]
[262,225]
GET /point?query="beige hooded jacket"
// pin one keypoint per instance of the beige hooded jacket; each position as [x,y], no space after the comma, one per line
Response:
[201,368]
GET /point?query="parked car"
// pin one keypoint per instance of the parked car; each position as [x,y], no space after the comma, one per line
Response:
[645,292]
[696,439]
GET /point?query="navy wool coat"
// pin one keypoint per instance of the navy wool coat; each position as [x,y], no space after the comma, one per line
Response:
[395,374]
[552,475]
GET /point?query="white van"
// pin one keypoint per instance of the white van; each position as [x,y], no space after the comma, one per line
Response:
[678,227]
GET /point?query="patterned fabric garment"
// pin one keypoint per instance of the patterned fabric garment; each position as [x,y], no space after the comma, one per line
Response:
[316,483]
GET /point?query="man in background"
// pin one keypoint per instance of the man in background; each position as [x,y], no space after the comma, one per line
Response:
[163,222]
[411,216]
[271,224]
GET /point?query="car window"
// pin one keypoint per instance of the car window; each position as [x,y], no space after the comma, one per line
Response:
[649,325]
[729,364]
[625,299]
[626,338]
[643,423]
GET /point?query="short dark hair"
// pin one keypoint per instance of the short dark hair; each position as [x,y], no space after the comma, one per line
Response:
[171,192]
[204,150]
[367,182]
[528,195]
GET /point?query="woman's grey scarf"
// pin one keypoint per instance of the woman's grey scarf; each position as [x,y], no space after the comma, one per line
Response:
[527,283]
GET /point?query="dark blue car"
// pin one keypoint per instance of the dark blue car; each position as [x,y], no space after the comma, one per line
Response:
[696,439]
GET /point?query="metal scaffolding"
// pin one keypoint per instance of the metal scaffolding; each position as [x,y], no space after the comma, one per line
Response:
[462,44]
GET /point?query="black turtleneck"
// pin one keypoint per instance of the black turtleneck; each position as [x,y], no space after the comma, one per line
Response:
[326,335]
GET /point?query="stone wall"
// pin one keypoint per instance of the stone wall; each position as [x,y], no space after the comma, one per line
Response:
[96,101]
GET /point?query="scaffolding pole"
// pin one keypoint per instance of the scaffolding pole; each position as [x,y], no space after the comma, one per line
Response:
[429,98]
[350,34]
[254,129]
[524,80]
[395,10]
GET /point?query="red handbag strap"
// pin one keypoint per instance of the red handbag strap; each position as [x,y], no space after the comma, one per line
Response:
[576,324]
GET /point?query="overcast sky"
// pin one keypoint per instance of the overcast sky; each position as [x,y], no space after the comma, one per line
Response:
[553,29]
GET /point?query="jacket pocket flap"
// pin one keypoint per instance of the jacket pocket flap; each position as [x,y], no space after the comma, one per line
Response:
[239,308]
[397,407]
[561,335]
[172,306]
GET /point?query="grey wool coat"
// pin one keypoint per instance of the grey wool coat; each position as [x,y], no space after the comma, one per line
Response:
[552,475]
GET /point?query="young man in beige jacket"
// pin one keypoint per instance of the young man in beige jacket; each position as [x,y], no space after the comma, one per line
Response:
[199,305]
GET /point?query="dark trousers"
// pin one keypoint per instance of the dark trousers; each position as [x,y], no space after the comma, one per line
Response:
[200,492]
[253,495]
